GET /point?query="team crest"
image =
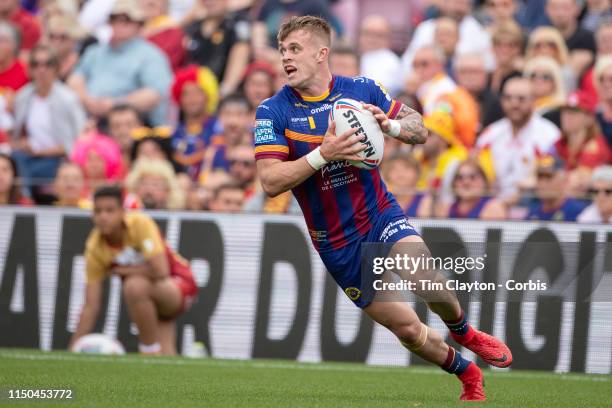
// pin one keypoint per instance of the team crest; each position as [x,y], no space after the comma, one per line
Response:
[352,293]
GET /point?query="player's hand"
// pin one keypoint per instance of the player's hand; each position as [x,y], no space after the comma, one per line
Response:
[343,147]
[381,117]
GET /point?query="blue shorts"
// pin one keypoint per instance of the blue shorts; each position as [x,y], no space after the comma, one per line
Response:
[345,264]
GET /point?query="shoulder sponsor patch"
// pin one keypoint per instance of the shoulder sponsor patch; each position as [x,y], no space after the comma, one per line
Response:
[264,131]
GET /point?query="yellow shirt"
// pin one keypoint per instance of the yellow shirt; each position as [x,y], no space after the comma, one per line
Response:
[141,241]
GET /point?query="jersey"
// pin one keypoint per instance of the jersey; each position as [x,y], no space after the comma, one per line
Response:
[340,202]
[568,211]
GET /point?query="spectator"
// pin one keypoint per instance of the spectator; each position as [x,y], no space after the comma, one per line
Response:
[597,11]
[552,203]
[161,30]
[123,120]
[601,191]
[153,185]
[261,203]
[153,144]
[515,140]
[201,196]
[471,74]
[472,36]
[507,46]
[127,70]
[548,42]
[377,60]
[546,83]
[10,190]
[344,61]
[69,187]
[258,83]
[242,167]
[236,129]
[500,12]
[472,195]
[401,173]
[27,25]
[63,34]
[563,15]
[195,91]
[220,42]
[48,119]
[446,36]
[13,73]
[227,198]
[100,159]
[603,39]
[603,77]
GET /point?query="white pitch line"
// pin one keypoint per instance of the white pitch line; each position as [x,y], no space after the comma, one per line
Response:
[287,365]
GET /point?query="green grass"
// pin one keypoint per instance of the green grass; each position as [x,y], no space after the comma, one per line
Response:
[134,381]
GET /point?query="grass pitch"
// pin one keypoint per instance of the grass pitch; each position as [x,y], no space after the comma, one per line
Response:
[134,381]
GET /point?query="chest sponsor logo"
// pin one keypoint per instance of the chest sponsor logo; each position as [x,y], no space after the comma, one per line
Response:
[337,174]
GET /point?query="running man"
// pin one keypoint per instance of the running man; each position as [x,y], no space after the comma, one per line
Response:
[158,284]
[344,206]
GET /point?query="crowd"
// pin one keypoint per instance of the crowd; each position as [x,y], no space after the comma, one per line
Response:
[160,95]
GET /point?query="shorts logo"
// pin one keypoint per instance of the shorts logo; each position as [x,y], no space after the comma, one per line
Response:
[352,293]
[264,131]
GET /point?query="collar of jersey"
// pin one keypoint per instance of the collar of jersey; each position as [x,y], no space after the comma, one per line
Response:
[319,98]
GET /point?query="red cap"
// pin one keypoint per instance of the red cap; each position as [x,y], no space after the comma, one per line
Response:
[583,101]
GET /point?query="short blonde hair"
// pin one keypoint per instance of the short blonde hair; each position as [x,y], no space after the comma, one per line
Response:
[508,30]
[548,34]
[312,24]
[603,63]
[158,168]
[553,68]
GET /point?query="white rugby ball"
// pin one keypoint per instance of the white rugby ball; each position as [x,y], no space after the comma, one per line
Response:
[349,113]
[97,343]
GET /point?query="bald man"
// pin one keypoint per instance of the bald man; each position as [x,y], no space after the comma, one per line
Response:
[378,61]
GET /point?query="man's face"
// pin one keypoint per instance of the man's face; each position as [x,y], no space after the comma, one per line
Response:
[228,200]
[121,124]
[471,74]
[300,54]
[124,28]
[517,101]
[402,177]
[42,69]
[60,39]
[447,35]
[153,192]
[603,38]
[602,196]
[562,13]
[426,65]
[344,65]
[550,184]
[501,10]
[242,164]
[108,215]
[193,100]
[235,119]
[257,87]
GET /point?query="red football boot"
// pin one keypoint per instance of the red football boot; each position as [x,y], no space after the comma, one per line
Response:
[473,383]
[490,349]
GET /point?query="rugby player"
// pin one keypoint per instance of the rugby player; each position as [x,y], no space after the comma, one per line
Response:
[344,206]
[157,283]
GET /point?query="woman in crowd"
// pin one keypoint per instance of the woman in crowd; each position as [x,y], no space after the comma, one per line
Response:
[601,191]
[401,173]
[548,42]
[507,47]
[152,184]
[10,190]
[603,81]
[69,187]
[547,84]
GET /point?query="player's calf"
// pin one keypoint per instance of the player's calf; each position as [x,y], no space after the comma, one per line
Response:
[137,294]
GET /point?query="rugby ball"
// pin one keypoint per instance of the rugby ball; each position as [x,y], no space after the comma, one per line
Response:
[97,343]
[349,113]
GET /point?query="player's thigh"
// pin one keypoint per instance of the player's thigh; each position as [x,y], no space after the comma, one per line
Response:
[392,315]
[167,297]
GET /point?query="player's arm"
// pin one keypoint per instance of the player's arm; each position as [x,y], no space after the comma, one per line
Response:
[278,176]
[407,126]
[90,311]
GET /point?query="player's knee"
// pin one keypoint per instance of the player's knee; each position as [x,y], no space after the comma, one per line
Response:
[408,333]
[136,288]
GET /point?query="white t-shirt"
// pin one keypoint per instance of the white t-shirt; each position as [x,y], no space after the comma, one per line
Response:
[592,214]
[385,67]
[38,125]
[514,155]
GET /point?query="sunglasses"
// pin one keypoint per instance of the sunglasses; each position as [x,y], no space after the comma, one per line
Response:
[466,176]
[59,37]
[245,163]
[595,192]
[421,64]
[543,77]
[42,63]
[120,18]
[542,44]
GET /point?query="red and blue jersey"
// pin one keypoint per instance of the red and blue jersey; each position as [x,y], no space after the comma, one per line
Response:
[340,202]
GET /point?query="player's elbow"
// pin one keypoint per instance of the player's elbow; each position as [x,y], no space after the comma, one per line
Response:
[270,189]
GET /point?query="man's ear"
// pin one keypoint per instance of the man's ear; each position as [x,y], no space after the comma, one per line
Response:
[323,54]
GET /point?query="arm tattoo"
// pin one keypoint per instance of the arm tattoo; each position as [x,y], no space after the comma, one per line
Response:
[413,130]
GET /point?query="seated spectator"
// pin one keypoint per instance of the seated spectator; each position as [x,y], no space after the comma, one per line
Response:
[227,198]
[48,120]
[153,144]
[163,31]
[195,91]
[446,37]
[200,195]
[378,61]
[242,167]
[219,41]
[258,83]
[63,33]
[401,174]
[548,42]
[344,61]
[507,46]
[10,190]
[515,140]
[69,187]
[127,70]
[596,12]
[123,120]
[603,40]
[547,84]
[499,12]
[27,25]
[472,195]
[13,74]
[601,192]
[152,185]
[603,78]
[551,202]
